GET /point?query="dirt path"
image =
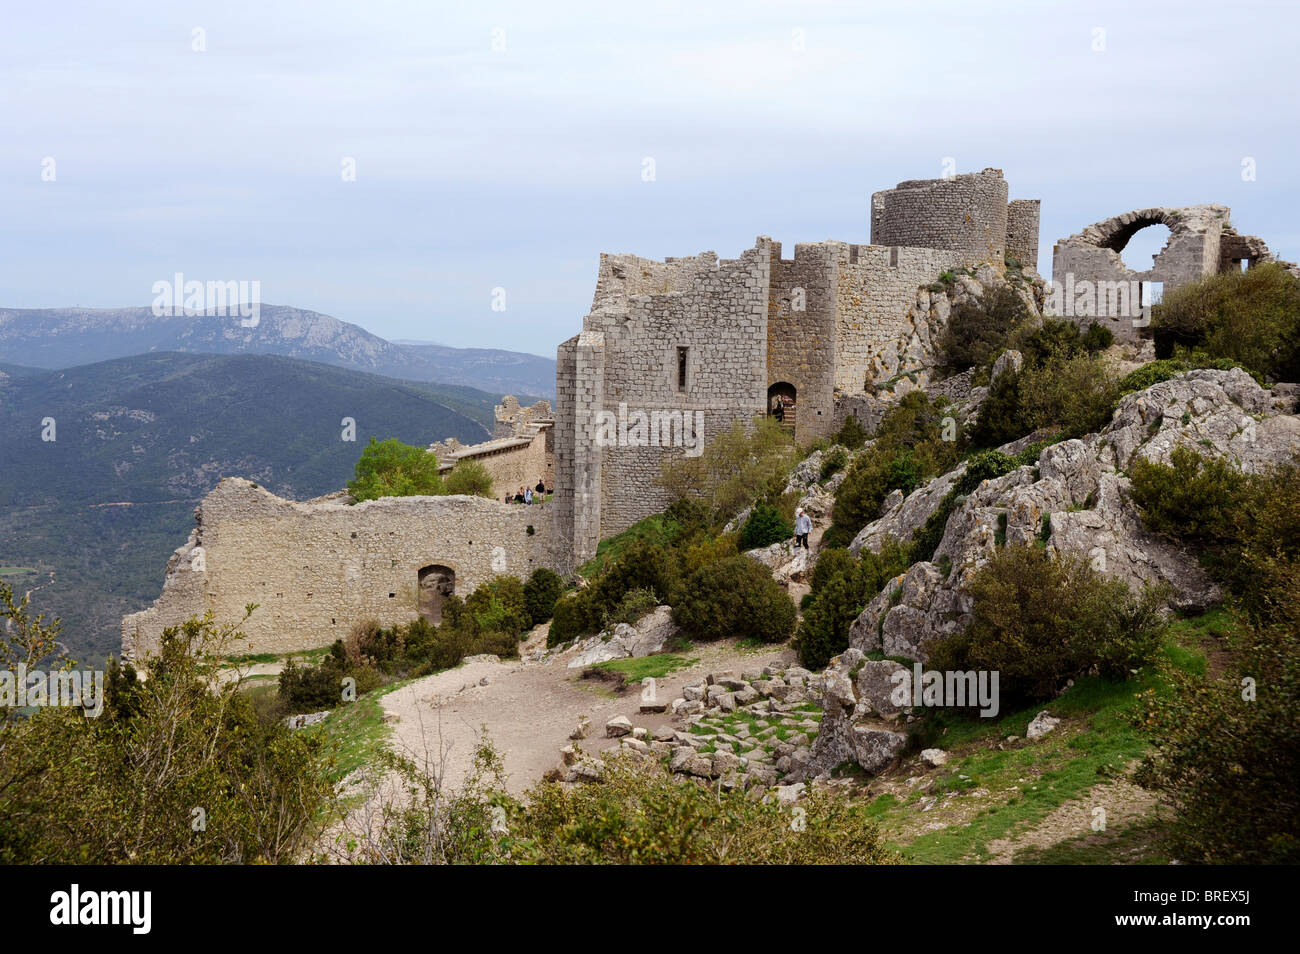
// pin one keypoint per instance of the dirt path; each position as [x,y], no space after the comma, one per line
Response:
[528,709]
[1117,804]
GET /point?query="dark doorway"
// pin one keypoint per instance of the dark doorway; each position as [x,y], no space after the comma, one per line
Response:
[781,403]
[436,584]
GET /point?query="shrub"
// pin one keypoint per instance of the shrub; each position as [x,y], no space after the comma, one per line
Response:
[1097,338]
[978,331]
[842,585]
[750,461]
[734,597]
[708,550]
[471,478]
[1227,761]
[851,433]
[498,606]
[1252,317]
[122,788]
[833,462]
[394,469]
[1194,497]
[645,566]
[764,527]
[633,605]
[1040,621]
[540,593]
[909,448]
[1072,396]
[576,615]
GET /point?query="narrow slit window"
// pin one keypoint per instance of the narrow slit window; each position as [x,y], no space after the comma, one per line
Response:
[681,368]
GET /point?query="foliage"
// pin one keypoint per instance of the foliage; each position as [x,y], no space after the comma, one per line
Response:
[909,447]
[1194,497]
[764,527]
[1252,317]
[851,433]
[1070,394]
[540,593]
[842,585]
[734,597]
[393,469]
[979,330]
[833,461]
[746,462]
[470,477]
[177,769]
[639,814]
[1040,621]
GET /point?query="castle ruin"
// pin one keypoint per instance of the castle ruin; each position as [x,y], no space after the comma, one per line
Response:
[671,353]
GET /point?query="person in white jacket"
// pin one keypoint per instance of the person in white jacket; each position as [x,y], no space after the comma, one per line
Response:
[802,527]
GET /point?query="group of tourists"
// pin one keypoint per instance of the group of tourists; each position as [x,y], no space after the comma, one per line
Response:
[525,495]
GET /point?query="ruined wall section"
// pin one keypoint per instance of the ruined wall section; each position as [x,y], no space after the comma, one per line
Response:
[1093,255]
[965,214]
[316,568]
[801,332]
[721,321]
[623,277]
[1022,231]
[579,393]
[876,290]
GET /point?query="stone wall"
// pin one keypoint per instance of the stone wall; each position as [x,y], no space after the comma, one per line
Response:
[1093,256]
[317,567]
[801,332]
[876,288]
[965,214]
[1022,231]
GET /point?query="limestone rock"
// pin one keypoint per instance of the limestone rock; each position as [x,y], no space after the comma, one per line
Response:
[1041,725]
[647,636]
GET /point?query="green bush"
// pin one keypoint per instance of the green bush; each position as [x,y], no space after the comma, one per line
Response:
[1040,621]
[633,605]
[540,593]
[645,566]
[1195,498]
[576,615]
[394,469]
[842,586]
[1071,396]
[748,462]
[851,433]
[764,527]
[734,597]
[909,448]
[1252,317]
[498,606]
[833,462]
[471,478]
[978,331]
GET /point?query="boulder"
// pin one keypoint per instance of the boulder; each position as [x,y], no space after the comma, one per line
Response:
[1041,725]
[647,636]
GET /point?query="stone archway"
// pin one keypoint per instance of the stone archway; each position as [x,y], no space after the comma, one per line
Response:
[436,584]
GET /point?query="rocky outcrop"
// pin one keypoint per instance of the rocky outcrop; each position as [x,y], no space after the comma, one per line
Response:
[1075,501]
[650,634]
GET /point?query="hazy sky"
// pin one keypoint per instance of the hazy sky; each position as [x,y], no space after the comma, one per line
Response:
[479,168]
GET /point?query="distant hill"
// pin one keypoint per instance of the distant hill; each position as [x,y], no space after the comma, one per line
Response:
[140,440]
[65,337]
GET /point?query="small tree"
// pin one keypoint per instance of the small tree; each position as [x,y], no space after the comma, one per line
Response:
[470,477]
[393,469]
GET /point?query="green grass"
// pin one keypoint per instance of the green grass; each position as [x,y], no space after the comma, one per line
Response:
[654,529]
[357,731]
[648,667]
[1097,741]
[16,570]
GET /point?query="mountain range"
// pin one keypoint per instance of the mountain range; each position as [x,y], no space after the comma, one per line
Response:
[65,337]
